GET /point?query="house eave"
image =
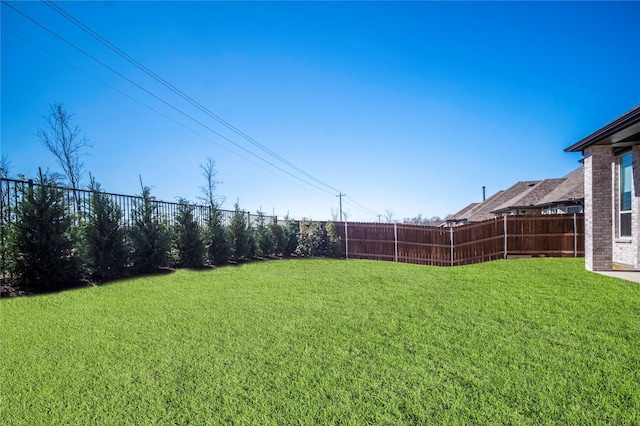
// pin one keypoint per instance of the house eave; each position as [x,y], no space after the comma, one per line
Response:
[566,201]
[508,209]
[613,133]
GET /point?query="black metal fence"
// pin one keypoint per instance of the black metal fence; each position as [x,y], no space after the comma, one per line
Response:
[78,204]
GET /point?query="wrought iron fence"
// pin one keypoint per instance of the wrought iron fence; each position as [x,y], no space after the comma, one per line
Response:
[78,205]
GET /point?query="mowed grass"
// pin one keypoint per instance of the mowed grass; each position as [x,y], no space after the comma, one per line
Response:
[531,341]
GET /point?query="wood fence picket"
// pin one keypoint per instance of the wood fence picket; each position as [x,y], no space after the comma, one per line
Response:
[509,236]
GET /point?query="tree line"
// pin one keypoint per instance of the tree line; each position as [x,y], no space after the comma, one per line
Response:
[49,246]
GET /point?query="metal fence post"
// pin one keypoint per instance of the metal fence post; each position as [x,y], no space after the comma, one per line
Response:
[395,239]
[505,236]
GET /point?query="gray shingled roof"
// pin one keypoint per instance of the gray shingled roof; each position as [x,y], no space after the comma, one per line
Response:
[526,194]
[531,196]
[462,214]
[483,210]
[572,188]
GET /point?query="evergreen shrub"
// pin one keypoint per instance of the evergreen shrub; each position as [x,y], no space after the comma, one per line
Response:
[188,237]
[265,242]
[216,242]
[318,239]
[105,237]
[239,235]
[150,240]
[41,251]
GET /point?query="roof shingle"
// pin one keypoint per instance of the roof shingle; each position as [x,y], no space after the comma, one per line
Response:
[525,194]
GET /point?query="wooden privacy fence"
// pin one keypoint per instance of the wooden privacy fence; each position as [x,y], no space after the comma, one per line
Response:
[508,236]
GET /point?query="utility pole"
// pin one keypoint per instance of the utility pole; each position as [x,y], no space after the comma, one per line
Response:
[340,195]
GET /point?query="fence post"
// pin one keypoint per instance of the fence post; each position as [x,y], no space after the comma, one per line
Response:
[451,242]
[505,236]
[395,238]
[575,236]
[346,240]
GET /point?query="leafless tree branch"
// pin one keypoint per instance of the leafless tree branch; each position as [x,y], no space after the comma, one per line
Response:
[62,138]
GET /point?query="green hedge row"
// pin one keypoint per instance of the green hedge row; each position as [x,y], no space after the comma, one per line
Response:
[47,249]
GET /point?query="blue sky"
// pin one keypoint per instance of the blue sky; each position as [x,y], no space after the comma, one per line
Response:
[410,107]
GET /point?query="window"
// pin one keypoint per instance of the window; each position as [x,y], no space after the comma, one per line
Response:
[626,179]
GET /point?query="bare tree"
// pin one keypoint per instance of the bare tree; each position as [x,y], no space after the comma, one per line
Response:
[62,138]
[208,190]
[435,221]
[5,166]
[388,215]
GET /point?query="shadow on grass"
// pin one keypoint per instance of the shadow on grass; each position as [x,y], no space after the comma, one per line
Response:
[7,289]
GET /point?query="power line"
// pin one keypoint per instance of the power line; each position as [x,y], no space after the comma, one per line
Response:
[189,99]
[160,99]
[151,108]
[179,92]
[360,207]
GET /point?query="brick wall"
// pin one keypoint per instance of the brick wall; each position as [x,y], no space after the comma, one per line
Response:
[598,203]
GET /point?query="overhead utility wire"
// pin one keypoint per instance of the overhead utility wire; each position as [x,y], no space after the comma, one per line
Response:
[179,92]
[149,107]
[160,99]
[116,89]
[368,213]
[188,116]
[359,206]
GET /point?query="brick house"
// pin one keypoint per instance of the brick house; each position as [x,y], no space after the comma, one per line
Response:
[612,194]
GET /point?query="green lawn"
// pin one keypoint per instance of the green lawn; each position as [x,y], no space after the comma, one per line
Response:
[531,341]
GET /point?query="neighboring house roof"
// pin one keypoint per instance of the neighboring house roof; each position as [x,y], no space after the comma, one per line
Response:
[483,210]
[469,214]
[462,214]
[525,195]
[623,131]
[571,189]
[530,197]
